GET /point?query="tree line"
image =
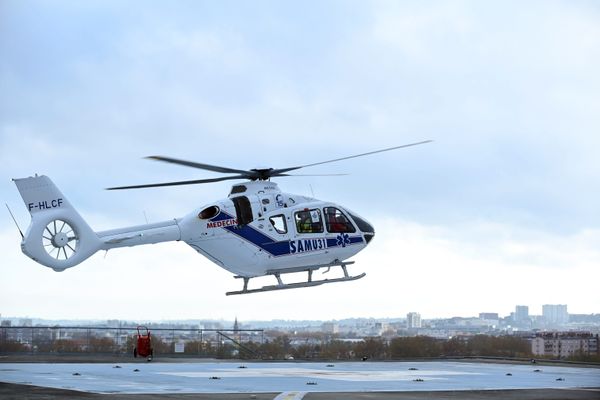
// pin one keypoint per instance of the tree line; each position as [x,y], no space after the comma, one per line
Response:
[317,347]
[399,348]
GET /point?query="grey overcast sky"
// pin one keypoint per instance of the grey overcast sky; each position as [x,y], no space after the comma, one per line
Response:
[501,209]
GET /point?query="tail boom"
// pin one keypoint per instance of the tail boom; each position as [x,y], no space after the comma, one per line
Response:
[143,234]
[59,238]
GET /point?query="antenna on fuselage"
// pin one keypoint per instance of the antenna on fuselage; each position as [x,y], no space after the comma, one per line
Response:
[13,218]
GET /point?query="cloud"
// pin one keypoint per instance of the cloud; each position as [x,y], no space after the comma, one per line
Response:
[435,270]
[478,265]
[506,193]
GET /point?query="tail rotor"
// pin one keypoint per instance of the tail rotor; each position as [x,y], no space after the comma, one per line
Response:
[60,240]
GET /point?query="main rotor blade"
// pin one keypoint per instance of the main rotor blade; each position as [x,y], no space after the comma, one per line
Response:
[278,175]
[178,183]
[282,170]
[192,164]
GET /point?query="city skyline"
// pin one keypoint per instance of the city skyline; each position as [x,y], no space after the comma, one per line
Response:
[407,317]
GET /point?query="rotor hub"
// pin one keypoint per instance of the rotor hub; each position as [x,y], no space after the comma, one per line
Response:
[261,174]
[60,240]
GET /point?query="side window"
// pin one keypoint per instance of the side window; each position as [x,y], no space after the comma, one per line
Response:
[278,222]
[309,221]
[337,222]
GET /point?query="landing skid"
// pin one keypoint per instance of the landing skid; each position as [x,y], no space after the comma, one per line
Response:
[309,282]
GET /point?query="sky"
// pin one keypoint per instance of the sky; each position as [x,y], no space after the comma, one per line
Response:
[501,209]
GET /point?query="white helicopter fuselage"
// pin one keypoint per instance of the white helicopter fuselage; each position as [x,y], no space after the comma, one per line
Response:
[272,240]
[258,230]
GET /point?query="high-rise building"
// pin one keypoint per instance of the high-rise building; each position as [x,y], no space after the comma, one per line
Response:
[555,313]
[413,320]
[521,313]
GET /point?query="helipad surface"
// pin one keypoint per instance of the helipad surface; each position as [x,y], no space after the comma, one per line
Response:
[228,377]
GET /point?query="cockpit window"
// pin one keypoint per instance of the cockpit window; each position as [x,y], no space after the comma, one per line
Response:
[309,221]
[278,222]
[363,225]
[337,222]
[209,212]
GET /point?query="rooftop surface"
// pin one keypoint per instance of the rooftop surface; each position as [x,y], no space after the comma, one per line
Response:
[285,377]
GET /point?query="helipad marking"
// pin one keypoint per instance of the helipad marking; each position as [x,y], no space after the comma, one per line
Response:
[312,373]
[290,396]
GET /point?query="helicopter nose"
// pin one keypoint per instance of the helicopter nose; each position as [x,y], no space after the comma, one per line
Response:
[369,235]
[367,230]
[365,227]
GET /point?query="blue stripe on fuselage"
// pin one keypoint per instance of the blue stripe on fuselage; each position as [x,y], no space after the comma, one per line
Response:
[273,247]
[255,237]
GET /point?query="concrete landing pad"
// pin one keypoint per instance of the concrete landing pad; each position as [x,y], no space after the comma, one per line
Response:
[232,377]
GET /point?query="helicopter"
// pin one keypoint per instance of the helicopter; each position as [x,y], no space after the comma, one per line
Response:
[258,230]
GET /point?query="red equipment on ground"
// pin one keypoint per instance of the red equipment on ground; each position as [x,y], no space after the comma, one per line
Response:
[144,344]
